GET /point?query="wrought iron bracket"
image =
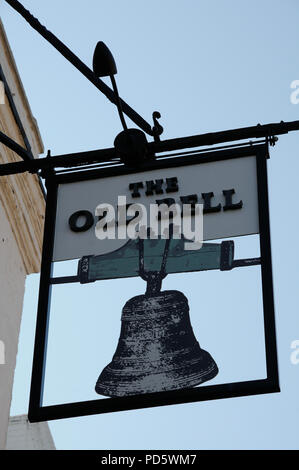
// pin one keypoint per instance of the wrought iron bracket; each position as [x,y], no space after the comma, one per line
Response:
[76,62]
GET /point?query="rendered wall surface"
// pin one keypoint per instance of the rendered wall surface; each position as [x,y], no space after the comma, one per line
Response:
[23,435]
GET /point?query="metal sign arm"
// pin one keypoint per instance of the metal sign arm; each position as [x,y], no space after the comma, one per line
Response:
[106,155]
[73,59]
[212,138]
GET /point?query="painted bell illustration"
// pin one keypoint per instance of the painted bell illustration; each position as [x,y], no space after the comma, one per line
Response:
[157,349]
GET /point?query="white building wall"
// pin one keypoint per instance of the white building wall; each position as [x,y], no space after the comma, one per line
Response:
[12,281]
[21,224]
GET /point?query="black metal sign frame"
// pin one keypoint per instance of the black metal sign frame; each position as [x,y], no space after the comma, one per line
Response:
[270,384]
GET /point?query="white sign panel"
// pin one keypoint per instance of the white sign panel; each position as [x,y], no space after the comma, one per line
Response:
[226,188]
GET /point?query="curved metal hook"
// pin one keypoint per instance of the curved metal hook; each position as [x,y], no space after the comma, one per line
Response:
[157,128]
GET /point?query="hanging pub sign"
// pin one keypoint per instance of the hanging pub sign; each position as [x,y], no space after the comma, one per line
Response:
[156,285]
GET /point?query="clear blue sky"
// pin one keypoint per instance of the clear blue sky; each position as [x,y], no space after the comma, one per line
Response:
[206,66]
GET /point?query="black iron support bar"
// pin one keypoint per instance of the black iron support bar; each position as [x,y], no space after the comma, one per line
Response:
[16,114]
[212,138]
[106,155]
[21,151]
[73,59]
[65,161]
[239,263]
